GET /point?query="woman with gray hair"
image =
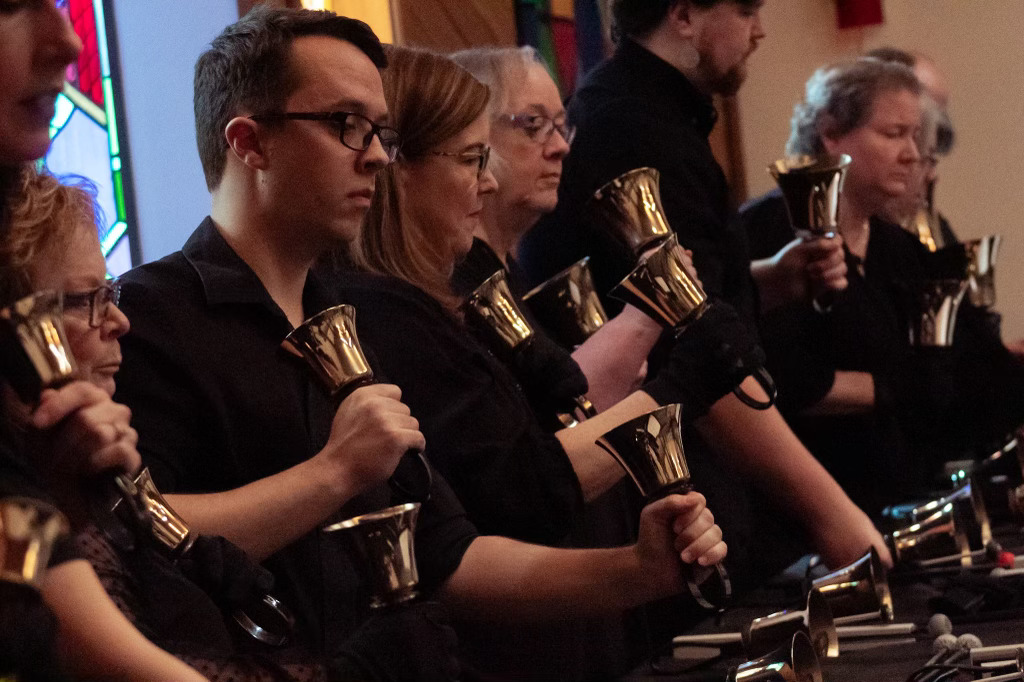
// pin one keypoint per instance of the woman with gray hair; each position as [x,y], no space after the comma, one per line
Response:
[862,378]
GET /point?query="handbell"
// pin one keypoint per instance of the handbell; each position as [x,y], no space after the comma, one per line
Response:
[628,209]
[795,661]
[662,288]
[28,530]
[383,541]
[974,520]
[811,187]
[34,346]
[981,272]
[168,528]
[568,306]
[939,302]
[763,635]
[493,312]
[858,591]
[650,449]
[328,343]
[939,534]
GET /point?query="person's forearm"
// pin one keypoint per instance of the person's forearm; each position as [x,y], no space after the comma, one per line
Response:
[266,515]
[502,579]
[96,640]
[771,292]
[596,470]
[613,358]
[851,393]
[766,451]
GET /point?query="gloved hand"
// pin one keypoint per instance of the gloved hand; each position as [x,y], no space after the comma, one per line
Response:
[551,378]
[411,643]
[709,359]
[225,572]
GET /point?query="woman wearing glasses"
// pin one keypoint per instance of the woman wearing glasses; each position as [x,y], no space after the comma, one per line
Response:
[513,476]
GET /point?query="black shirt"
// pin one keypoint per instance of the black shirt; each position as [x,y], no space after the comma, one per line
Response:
[513,478]
[637,110]
[219,404]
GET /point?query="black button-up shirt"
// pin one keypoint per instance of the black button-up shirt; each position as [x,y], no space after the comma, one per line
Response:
[638,110]
[219,404]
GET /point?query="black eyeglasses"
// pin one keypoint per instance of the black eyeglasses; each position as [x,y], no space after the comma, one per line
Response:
[357,131]
[97,301]
[540,128]
[480,157]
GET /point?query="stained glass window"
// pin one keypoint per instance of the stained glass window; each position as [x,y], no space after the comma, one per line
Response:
[85,135]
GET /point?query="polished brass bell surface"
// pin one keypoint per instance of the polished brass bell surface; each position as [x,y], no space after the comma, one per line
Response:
[28,530]
[650,449]
[981,270]
[858,591]
[811,187]
[33,345]
[662,288]
[168,528]
[629,210]
[764,635]
[383,544]
[328,342]
[936,534]
[794,661]
[493,312]
[935,322]
[972,516]
[567,305]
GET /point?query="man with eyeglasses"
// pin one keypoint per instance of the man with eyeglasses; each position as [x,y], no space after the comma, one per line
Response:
[290,120]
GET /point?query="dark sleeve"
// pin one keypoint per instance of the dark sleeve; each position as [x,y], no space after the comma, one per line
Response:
[512,477]
[167,407]
[443,534]
[795,337]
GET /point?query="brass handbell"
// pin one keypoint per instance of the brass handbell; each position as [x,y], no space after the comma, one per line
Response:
[937,534]
[762,635]
[858,591]
[663,289]
[492,311]
[28,530]
[811,187]
[939,302]
[650,449]
[328,343]
[567,305]
[383,542]
[981,269]
[974,521]
[629,210]
[793,662]
[168,528]
[34,346]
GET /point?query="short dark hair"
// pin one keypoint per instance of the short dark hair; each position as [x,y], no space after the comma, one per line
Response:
[637,18]
[247,69]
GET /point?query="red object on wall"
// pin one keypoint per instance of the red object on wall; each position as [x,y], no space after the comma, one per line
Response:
[853,13]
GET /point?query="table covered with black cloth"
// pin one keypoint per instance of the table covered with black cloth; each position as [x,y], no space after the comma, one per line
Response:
[218,403]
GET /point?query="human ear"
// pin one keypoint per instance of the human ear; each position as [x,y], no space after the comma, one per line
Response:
[244,143]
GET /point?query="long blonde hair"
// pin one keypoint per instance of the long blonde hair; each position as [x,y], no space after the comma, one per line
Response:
[431,99]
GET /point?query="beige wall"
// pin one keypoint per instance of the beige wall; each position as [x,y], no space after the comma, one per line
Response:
[979,44]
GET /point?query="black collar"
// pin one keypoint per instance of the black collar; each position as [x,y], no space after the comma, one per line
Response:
[227,279]
[665,83]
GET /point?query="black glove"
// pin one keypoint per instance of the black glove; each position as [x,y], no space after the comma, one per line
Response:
[411,643]
[225,572]
[550,377]
[709,359]
[28,632]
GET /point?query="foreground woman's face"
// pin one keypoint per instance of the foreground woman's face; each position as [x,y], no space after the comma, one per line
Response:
[81,270]
[443,191]
[36,46]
